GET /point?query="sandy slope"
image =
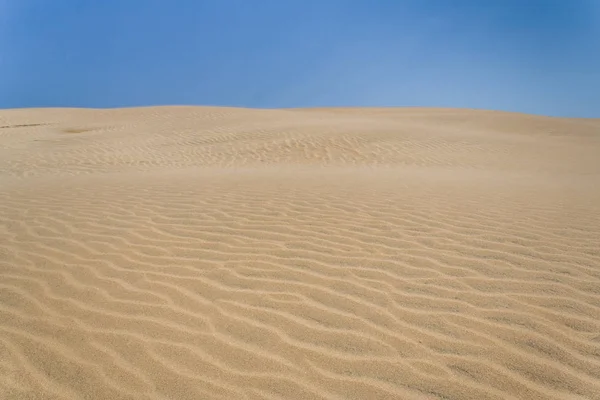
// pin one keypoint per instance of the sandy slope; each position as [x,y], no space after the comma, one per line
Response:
[200,253]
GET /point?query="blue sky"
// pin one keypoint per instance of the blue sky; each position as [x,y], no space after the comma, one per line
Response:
[535,56]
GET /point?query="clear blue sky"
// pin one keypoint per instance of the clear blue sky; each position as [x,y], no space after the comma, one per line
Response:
[536,56]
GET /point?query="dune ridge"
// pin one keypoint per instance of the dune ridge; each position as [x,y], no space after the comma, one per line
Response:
[228,253]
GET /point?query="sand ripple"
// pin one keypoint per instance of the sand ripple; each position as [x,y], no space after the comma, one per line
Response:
[216,253]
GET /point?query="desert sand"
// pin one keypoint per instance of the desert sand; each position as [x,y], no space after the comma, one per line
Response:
[225,253]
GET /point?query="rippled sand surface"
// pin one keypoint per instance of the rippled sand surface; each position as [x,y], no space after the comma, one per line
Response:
[221,253]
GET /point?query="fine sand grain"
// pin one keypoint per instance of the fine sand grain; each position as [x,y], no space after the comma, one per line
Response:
[222,253]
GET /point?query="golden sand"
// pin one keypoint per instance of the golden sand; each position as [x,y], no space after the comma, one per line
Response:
[222,253]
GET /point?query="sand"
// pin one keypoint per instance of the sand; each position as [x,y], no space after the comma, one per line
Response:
[223,253]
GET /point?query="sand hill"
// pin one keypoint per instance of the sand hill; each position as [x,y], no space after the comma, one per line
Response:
[222,253]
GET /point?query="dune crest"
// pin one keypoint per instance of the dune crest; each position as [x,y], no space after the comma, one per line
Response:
[224,253]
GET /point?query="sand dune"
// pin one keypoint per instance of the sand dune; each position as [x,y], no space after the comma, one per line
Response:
[222,253]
